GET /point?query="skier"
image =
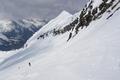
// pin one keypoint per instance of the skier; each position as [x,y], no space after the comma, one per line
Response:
[29,64]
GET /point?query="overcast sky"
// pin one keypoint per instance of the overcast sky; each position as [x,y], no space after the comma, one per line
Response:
[38,8]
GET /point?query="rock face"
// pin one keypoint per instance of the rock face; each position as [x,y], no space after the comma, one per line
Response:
[15,33]
[84,46]
[92,11]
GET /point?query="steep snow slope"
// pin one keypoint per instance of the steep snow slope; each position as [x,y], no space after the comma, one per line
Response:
[54,24]
[93,54]
[63,19]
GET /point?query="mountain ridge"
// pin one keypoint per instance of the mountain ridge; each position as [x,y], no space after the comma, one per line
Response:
[14,33]
[85,49]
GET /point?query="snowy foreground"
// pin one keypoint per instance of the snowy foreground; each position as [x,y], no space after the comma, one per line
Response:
[93,54]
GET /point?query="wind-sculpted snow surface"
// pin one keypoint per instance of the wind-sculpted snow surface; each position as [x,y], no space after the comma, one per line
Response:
[92,54]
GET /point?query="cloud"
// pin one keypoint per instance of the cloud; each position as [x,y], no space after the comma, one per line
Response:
[38,8]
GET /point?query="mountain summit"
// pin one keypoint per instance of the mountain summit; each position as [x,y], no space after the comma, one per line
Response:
[84,46]
[64,14]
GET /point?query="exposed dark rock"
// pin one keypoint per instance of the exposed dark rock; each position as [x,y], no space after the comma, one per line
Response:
[87,15]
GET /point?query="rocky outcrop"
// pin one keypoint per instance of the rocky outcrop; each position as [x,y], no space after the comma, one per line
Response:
[87,15]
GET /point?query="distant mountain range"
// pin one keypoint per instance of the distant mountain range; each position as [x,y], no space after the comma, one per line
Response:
[13,34]
[83,46]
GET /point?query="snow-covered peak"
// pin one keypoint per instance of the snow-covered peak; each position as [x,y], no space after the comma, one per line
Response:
[63,19]
[5,22]
[63,14]
[6,25]
[84,18]
[91,54]
[57,22]
[14,33]
[33,21]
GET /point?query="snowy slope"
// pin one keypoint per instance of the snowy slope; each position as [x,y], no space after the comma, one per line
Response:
[67,16]
[63,19]
[54,24]
[93,54]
